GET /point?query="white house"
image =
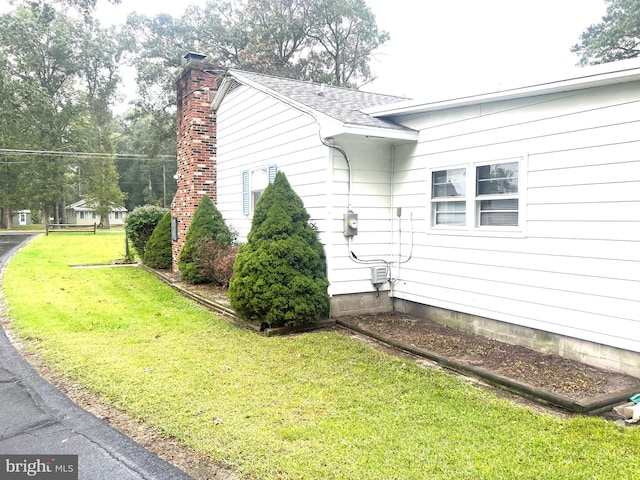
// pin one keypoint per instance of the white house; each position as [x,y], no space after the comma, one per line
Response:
[79,213]
[515,214]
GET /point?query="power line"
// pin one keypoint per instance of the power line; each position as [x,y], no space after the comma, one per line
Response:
[57,153]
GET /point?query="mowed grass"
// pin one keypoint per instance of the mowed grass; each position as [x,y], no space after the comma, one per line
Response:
[312,406]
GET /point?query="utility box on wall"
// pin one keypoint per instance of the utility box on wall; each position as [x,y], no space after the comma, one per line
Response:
[350,224]
[379,275]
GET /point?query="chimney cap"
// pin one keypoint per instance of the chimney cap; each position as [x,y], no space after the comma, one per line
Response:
[194,57]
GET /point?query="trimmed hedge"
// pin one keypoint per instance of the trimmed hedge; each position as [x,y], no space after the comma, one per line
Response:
[280,273]
[140,225]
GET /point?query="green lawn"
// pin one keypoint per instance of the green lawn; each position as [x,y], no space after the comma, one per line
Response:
[312,406]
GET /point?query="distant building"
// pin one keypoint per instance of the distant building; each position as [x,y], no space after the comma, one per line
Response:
[22,217]
[79,213]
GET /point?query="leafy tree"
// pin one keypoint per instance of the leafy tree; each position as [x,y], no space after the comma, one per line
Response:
[330,41]
[59,74]
[346,36]
[149,177]
[617,37]
[157,252]
[41,48]
[280,273]
[140,225]
[207,222]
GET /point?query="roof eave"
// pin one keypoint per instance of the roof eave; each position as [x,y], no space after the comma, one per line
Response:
[628,71]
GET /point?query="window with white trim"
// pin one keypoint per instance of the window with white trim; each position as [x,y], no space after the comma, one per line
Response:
[481,196]
[448,203]
[497,195]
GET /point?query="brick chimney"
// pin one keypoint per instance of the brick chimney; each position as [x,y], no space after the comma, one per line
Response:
[196,123]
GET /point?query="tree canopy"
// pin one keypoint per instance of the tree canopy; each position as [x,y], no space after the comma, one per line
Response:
[60,71]
[59,78]
[616,37]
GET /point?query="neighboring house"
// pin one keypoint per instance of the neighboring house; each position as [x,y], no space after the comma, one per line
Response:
[79,213]
[515,214]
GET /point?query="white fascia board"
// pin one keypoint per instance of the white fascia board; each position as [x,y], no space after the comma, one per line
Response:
[596,76]
[221,92]
[388,133]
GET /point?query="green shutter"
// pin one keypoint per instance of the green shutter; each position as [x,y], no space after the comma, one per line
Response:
[245,192]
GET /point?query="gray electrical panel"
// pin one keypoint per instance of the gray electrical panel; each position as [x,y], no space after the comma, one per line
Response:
[350,224]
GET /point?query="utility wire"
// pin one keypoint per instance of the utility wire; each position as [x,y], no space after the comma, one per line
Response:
[56,153]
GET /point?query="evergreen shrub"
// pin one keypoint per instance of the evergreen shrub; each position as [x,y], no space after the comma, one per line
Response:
[140,224]
[280,274]
[157,253]
[207,222]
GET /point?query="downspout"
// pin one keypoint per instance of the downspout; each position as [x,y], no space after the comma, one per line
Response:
[346,158]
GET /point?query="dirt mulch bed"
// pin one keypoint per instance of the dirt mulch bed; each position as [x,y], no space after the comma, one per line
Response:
[548,372]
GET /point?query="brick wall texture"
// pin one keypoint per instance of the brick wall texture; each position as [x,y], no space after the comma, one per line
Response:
[196,152]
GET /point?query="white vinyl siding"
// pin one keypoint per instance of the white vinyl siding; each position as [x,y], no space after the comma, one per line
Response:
[255,131]
[571,266]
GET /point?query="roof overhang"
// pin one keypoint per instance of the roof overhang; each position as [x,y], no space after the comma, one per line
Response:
[588,77]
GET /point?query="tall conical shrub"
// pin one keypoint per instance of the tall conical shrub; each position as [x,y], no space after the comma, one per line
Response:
[157,252]
[280,274]
[207,222]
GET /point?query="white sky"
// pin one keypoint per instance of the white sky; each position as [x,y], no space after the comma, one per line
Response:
[444,48]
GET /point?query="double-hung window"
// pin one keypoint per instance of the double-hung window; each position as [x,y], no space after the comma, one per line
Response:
[448,201]
[497,195]
[476,196]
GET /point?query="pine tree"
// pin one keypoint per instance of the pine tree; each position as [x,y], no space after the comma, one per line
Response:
[157,253]
[207,222]
[280,273]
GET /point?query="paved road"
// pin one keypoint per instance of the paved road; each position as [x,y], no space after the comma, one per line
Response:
[37,418]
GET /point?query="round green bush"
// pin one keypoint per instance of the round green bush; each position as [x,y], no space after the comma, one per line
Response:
[157,253]
[279,276]
[207,222]
[140,224]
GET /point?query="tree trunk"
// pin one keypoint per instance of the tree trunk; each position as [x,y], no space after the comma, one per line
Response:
[6,221]
[104,221]
[45,216]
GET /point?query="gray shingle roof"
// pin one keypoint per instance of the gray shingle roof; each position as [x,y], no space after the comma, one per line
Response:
[342,104]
